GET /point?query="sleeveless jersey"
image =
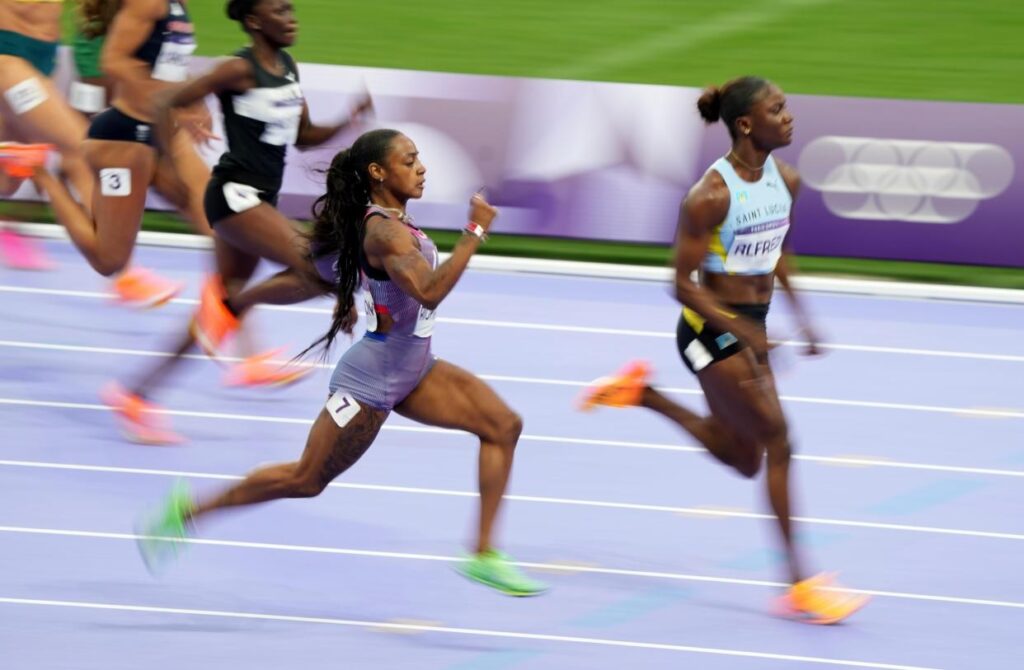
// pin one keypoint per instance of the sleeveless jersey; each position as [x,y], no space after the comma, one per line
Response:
[749,239]
[380,294]
[168,49]
[260,124]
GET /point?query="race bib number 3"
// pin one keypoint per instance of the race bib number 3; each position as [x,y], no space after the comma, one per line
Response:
[116,182]
[342,407]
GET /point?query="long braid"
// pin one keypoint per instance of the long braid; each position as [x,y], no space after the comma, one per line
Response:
[339,222]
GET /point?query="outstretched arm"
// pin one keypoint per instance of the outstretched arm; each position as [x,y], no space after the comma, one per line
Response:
[390,247]
[311,135]
[231,74]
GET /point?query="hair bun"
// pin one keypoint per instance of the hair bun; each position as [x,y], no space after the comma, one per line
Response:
[710,104]
[236,10]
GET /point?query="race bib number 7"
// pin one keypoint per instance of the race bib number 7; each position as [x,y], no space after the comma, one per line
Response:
[342,407]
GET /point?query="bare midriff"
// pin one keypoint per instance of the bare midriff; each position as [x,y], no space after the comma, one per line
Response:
[38,19]
[739,289]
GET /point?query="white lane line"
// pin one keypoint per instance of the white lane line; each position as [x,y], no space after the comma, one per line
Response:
[516,379]
[870,404]
[555,567]
[112,351]
[546,500]
[849,461]
[564,328]
[911,352]
[476,632]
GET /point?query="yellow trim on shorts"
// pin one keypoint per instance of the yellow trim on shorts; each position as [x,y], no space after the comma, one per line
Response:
[696,321]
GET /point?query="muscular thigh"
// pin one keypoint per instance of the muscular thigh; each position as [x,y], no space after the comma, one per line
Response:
[341,434]
[8,131]
[265,232]
[124,171]
[35,110]
[234,266]
[741,394]
[181,177]
[450,397]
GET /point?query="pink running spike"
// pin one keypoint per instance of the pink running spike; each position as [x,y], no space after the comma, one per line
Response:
[138,287]
[137,418]
[263,370]
[22,253]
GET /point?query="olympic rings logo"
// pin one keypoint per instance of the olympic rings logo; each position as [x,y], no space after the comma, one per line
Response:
[904,180]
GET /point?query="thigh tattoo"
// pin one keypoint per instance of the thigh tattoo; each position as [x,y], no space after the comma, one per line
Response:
[360,426]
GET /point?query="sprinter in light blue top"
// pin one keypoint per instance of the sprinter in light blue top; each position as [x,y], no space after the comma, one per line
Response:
[732,232]
[749,240]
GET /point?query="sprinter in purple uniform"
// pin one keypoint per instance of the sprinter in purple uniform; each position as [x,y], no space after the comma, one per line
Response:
[363,236]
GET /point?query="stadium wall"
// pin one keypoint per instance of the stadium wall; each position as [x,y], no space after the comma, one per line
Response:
[884,179]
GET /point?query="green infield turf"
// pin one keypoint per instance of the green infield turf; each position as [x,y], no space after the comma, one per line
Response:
[929,49]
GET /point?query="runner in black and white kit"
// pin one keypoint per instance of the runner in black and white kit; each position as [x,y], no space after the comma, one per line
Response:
[264,112]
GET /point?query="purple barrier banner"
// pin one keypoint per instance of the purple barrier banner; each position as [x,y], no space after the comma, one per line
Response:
[926,181]
[907,180]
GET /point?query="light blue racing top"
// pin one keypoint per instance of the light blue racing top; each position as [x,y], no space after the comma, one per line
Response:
[749,240]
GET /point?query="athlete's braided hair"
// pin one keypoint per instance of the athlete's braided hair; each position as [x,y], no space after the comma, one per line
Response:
[95,16]
[339,220]
[731,101]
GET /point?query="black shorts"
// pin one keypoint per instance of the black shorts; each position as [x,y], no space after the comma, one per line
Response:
[114,125]
[700,345]
[226,197]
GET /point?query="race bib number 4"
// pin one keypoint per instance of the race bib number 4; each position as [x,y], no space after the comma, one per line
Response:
[757,249]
